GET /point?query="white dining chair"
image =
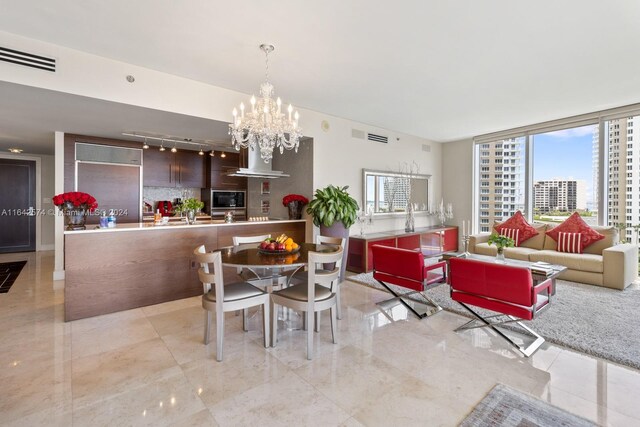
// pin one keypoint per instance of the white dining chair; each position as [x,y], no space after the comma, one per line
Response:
[301,275]
[222,298]
[311,297]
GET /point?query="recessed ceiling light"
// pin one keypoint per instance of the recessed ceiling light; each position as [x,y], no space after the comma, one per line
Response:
[16,150]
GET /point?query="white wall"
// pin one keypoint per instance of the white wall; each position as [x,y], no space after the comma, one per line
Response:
[457,179]
[338,158]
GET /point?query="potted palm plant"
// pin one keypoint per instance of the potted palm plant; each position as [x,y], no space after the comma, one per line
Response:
[334,211]
[501,242]
[191,207]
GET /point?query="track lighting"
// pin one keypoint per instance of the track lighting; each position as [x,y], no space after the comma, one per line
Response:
[174,149]
[223,155]
[145,145]
[162,145]
[201,152]
[212,153]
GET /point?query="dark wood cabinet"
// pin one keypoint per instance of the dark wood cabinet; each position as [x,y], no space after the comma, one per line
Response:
[432,241]
[218,167]
[167,169]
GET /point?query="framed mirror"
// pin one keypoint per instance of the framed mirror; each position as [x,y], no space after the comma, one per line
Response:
[387,192]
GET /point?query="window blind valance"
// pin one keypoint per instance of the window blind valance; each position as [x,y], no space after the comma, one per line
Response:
[554,125]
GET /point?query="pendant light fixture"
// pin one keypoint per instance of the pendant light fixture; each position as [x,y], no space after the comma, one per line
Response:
[265,126]
[145,146]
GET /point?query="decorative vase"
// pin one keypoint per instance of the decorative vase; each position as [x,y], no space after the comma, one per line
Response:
[75,218]
[500,256]
[409,223]
[191,216]
[338,230]
[295,209]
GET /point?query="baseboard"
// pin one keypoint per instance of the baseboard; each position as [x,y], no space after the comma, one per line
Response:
[58,274]
[50,247]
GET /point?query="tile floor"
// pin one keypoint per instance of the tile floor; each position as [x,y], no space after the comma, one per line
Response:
[148,366]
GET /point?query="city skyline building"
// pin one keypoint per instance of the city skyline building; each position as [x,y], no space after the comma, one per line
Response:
[564,195]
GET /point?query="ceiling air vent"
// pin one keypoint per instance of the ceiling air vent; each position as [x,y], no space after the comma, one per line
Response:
[27,59]
[377,138]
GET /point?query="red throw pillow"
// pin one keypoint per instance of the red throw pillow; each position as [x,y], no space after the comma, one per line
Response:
[511,233]
[570,243]
[575,224]
[518,222]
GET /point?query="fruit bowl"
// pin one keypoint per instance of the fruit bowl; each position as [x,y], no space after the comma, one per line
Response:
[278,252]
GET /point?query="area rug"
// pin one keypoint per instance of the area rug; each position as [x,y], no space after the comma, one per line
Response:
[9,272]
[506,407]
[591,319]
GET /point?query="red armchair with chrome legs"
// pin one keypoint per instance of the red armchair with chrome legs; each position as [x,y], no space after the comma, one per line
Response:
[405,268]
[507,290]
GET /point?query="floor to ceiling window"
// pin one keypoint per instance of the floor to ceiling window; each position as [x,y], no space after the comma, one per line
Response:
[564,179]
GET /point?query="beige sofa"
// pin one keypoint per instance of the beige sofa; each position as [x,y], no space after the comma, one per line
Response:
[604,263]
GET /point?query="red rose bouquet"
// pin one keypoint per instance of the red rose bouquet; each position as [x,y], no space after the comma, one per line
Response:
[75,199]
[294,198]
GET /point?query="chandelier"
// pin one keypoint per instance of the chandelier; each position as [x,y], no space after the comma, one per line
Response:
[265,126]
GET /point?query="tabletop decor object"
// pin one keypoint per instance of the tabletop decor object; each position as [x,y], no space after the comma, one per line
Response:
[295,203]
[75,207]
[501,242]
[190,206]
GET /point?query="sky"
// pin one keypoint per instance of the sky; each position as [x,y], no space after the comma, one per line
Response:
[564,154]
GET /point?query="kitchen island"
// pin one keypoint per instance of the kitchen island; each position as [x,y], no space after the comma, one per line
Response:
[139,264]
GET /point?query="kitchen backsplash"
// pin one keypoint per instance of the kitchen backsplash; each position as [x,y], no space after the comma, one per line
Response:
[153,194]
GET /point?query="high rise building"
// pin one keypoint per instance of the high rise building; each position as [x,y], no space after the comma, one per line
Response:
[501,180]
[559,195]
[592,204]
[624,173]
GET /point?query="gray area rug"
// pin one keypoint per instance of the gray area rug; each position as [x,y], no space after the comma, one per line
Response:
[593,320]
[504,406]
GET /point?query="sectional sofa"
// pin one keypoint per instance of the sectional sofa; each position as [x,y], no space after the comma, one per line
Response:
[607,262]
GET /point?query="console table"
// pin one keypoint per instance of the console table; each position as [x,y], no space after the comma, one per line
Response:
[432,241]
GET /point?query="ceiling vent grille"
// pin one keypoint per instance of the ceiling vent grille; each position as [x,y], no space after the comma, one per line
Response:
[377,138]
[27,59]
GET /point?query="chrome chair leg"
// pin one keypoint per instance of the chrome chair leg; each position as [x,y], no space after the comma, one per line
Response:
[274,324]
[334,324]
[245,319]
[207,326]
[317,321]
[219,334]
[310,327]
[265,323]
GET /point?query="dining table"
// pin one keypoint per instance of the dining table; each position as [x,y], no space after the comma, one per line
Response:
[266,264]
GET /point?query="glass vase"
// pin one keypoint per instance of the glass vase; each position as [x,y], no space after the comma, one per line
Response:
[75,218]
[500,257]
[409,223]
[191,216]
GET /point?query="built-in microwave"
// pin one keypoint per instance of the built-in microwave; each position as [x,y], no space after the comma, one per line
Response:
[224,199]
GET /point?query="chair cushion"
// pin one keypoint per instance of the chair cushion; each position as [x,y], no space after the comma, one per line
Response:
[234,292]
[575,224]
[517,221]
[582,262]
[300,292]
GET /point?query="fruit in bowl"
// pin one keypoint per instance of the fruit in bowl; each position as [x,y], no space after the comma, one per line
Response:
[282,243]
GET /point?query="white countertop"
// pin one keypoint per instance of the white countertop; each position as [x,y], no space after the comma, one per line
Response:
[173,225]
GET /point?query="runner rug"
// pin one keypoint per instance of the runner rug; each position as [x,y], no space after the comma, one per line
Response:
[506,407]
[9,272]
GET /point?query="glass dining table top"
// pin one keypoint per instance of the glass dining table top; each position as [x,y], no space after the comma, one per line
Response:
[248,255]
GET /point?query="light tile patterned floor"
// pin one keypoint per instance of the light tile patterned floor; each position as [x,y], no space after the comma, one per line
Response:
[148,366]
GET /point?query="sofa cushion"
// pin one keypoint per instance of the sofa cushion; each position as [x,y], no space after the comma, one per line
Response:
[582,262]
[519,222]
[536,242]
[610,239]
[575,224]
[570,243]
[520,253]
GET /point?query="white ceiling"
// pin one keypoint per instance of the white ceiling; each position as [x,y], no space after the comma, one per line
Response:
[443,70]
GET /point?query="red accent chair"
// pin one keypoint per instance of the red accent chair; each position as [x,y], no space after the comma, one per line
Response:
[505,289]
[405,268]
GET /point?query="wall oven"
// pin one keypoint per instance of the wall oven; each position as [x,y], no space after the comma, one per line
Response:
[222,201]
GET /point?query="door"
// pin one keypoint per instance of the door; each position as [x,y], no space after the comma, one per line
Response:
[190,169]
[17,200]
